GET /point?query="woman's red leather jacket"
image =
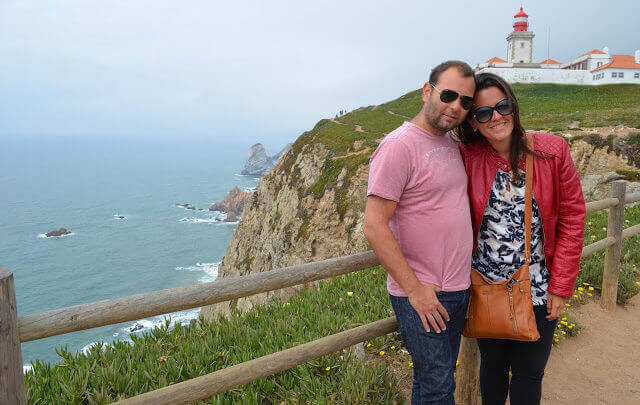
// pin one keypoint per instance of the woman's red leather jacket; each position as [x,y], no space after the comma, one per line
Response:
[557,190]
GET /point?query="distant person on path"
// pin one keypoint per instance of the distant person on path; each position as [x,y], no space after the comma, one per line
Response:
[493,150]
[418,222]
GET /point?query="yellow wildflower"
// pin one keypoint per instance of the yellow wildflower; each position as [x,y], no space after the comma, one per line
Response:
[382,352]
[585,283]
[411,364]
[350,293]
[368,344]
[590,295]
[567,305]
[328,368]
[580,289]
[393,347]
[564,318]
[570,326]
[575,296]
[591,288]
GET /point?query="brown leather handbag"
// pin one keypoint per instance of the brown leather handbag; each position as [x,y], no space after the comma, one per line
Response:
[504,309]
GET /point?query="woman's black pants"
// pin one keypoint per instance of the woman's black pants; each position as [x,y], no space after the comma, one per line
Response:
[525,360]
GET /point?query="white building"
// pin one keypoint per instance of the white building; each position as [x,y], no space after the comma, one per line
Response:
[593,67]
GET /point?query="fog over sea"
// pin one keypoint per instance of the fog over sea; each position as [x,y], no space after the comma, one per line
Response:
[85,184]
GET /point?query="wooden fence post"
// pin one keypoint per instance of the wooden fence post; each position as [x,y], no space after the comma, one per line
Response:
[11,377]
[468,373]
[612,256]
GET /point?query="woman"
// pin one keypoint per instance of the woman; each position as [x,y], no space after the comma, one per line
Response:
[493,148]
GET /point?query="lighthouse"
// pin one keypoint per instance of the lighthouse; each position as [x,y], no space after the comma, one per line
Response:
[520,40]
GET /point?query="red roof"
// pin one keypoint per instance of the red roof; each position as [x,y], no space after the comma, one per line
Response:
[550,62]
[495,59]
[620,62]
[595,51]
[521,14]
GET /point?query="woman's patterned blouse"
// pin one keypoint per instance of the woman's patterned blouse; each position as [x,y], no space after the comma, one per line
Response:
[501,238]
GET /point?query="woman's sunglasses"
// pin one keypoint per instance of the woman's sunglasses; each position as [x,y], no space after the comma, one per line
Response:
[484,114]
[448,96]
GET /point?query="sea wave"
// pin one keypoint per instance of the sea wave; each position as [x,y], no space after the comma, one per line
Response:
[44,235]
[210,270]
[250,189]
[193,220]
[120,217]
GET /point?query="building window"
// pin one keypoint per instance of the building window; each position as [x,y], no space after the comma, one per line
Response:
[621,74]
[599,64]
[636,75]
[614,74]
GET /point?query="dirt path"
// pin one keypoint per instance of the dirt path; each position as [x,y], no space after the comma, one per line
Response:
[599,366]
[602,364]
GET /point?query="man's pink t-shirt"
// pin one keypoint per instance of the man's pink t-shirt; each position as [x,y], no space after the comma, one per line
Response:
[425,175]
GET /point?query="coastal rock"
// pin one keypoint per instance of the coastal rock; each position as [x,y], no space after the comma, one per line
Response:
[190,207]
[57,232]
[233,204]
[257,162]
[278,155]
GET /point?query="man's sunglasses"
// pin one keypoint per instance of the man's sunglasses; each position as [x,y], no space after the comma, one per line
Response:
[448,96]
[484,114]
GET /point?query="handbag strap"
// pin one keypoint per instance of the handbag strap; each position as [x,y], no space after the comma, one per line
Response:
[528,200]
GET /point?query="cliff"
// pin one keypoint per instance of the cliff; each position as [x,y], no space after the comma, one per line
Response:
[310,206]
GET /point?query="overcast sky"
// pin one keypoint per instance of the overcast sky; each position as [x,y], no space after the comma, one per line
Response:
[256,69]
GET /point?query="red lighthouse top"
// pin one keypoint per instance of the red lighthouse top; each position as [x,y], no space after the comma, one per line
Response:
[520,22]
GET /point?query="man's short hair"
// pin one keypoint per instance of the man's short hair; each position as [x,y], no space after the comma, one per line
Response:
[462,67]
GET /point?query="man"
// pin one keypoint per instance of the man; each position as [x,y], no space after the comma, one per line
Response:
[418,222]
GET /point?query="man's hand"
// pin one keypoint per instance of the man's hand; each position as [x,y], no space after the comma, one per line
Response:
[425,302]
[555,306]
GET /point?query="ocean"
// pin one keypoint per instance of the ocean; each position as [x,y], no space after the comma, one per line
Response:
[85,184]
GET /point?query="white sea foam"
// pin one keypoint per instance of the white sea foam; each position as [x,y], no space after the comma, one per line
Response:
[209,220]
[145,325]
[120,217]
[250,189]
[86,348]
[210,270]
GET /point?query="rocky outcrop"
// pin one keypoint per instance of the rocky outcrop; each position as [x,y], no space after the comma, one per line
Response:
[308,208]
[278,155]
[603,158]
[57,232]
[233,204]
[258,162]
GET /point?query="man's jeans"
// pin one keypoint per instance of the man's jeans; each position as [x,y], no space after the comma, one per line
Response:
[433,354]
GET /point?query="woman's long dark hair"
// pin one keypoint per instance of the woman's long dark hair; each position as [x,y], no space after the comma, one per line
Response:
[518,144]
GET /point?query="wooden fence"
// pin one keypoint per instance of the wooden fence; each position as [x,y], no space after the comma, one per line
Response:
[14,330]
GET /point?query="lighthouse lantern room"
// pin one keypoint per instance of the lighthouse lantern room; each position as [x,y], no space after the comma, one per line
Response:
[520,40]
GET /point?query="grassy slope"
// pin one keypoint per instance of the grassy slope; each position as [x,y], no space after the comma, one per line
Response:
[167,356]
